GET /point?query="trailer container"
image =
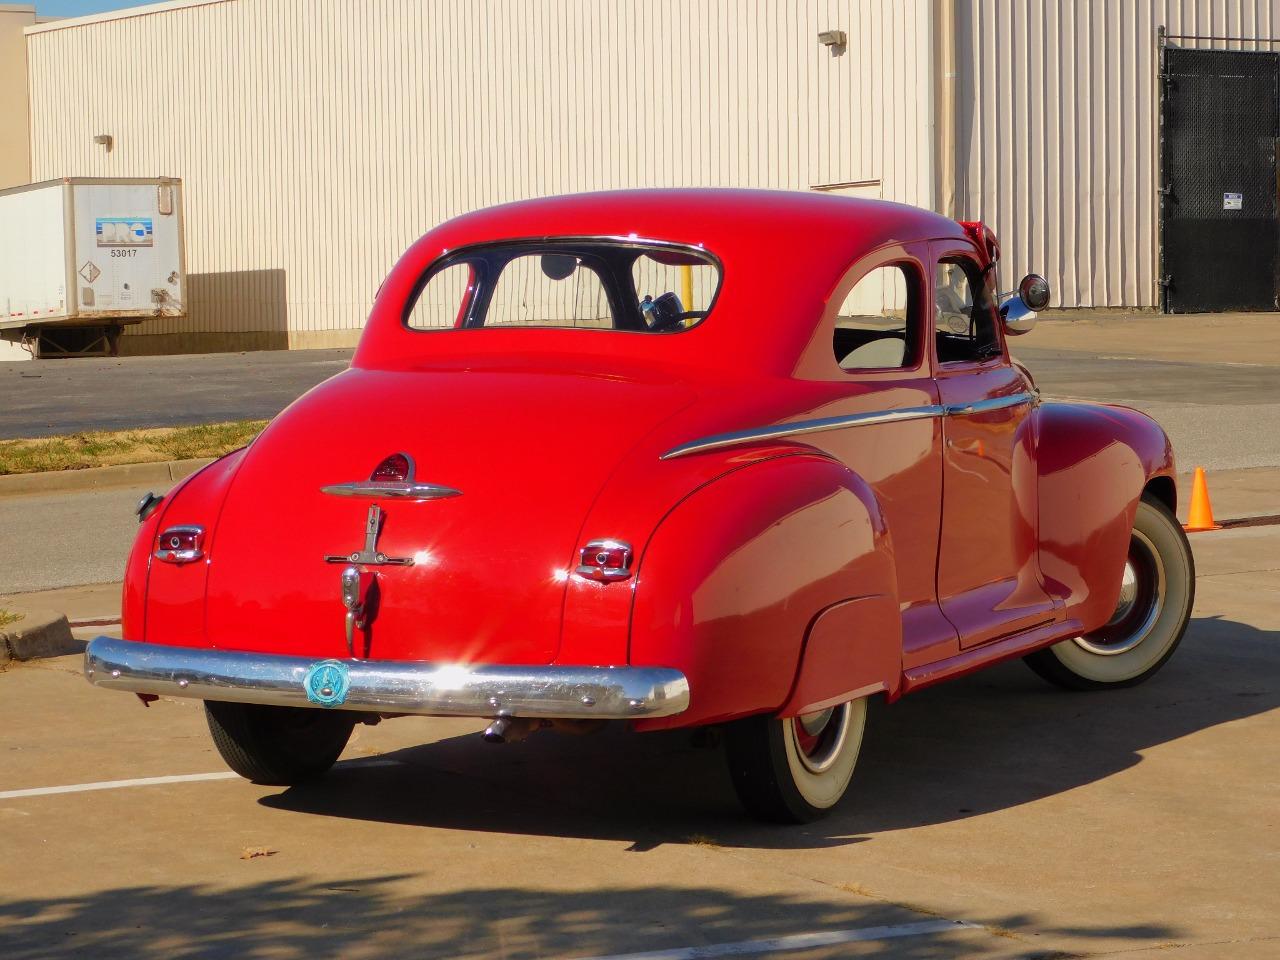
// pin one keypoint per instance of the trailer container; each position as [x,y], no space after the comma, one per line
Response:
[81,257]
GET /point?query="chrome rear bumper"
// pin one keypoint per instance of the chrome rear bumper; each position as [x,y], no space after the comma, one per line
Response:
[379,686]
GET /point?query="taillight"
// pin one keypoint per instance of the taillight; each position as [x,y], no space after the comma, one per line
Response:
[605,560]
[180,544]
[396,468]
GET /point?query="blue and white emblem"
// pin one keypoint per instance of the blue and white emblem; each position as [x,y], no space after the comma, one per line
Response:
[327,683]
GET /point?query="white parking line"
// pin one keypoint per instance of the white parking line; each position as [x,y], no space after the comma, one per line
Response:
[115,784]
[799,941]
[155,781]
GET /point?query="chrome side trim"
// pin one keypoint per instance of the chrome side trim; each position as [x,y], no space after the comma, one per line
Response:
[986,406]
[390,686]
[801,427]
[404,489]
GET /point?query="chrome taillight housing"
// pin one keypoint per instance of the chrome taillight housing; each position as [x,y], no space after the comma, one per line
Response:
[180,544]
[605,560]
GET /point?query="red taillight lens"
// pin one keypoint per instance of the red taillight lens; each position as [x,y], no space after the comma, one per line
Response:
[180,544]
[605,560]
[396,468]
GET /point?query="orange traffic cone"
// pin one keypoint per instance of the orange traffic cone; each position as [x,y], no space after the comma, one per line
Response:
[1200,516]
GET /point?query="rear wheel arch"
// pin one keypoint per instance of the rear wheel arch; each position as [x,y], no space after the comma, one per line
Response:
[734,577]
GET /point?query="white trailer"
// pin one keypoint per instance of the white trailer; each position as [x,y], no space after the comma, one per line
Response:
[83,256]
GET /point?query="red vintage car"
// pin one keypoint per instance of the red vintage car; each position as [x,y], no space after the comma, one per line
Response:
[672,458]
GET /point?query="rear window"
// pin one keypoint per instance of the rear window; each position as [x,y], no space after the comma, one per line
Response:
[640,287]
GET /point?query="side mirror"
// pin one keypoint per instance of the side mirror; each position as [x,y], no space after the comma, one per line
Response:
[1019,312]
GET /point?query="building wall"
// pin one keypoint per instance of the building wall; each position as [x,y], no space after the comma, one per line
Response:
[15,146]
[318,138]
[1056,132]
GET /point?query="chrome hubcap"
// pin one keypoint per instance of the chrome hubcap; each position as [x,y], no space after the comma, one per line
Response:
[1142,591]
[820,737]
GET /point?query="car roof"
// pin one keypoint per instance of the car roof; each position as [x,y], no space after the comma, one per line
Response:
[718,219]
[782,254]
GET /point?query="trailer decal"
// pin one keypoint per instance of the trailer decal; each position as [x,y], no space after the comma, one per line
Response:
[123,231]
[90,271]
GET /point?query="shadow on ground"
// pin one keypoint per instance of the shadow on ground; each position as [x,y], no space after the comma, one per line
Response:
[989,742]
[373,916]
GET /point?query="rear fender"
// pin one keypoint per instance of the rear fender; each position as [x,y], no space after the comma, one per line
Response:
[744,569]
[1094,460]
[174,593]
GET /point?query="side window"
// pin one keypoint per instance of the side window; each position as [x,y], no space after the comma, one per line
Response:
[443,300]
[965,314]
[877,325]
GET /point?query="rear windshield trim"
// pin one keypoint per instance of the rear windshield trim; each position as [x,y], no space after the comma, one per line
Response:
[450,257]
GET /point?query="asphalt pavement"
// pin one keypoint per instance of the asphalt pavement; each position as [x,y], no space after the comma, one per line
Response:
[42,398]
[64,539]
[1219,416]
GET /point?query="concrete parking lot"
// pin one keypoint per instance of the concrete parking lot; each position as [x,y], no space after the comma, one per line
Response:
[994,817]
[1056,824]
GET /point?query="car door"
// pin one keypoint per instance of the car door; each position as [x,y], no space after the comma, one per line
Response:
[989,582]
[873,356]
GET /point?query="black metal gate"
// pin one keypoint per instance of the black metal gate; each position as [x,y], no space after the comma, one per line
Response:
[1219,220]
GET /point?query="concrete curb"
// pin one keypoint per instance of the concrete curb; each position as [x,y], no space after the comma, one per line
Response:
[38,635]
[126,474]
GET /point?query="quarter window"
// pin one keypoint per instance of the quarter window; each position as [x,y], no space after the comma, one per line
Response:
[877,324]
[965,314]
[443,301]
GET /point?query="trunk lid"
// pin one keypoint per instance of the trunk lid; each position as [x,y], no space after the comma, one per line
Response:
[530,451]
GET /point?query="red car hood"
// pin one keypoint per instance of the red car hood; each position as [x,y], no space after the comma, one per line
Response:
[530,451]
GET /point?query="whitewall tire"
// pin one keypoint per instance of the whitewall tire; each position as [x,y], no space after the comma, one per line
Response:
[1156,595]
[795,769]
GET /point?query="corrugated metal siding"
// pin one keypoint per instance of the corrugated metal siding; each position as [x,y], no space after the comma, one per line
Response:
[318,138]
[1057,115]
[15,153]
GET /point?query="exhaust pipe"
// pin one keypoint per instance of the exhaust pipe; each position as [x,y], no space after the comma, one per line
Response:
[510,729]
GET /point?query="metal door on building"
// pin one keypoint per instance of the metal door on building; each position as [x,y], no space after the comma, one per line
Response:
[1219,219]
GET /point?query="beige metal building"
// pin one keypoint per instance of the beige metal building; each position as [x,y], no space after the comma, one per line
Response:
[316,139]
[15,146]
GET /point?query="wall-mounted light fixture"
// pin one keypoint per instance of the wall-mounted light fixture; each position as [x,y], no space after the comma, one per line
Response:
[833,38]
[104,140]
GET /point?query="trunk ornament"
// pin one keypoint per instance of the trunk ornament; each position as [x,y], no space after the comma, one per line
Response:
[370,555]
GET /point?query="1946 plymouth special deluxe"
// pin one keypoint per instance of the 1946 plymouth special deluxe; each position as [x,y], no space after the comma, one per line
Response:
[672,458]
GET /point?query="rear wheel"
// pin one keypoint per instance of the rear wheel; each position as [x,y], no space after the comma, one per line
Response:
[281,746]
[796,769]
[1156,594]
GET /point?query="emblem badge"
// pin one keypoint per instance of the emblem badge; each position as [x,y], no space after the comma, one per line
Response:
[370,555]
[327,683]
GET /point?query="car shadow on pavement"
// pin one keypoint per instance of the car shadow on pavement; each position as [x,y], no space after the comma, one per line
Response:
[388,915]
[989,742]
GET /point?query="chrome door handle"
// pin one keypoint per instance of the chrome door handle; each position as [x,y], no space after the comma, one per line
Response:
[986,406]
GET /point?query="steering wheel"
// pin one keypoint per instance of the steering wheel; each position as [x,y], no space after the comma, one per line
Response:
[663,314]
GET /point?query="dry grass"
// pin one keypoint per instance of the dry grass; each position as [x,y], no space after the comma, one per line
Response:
[100,449]
[702,840]
[8,616]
